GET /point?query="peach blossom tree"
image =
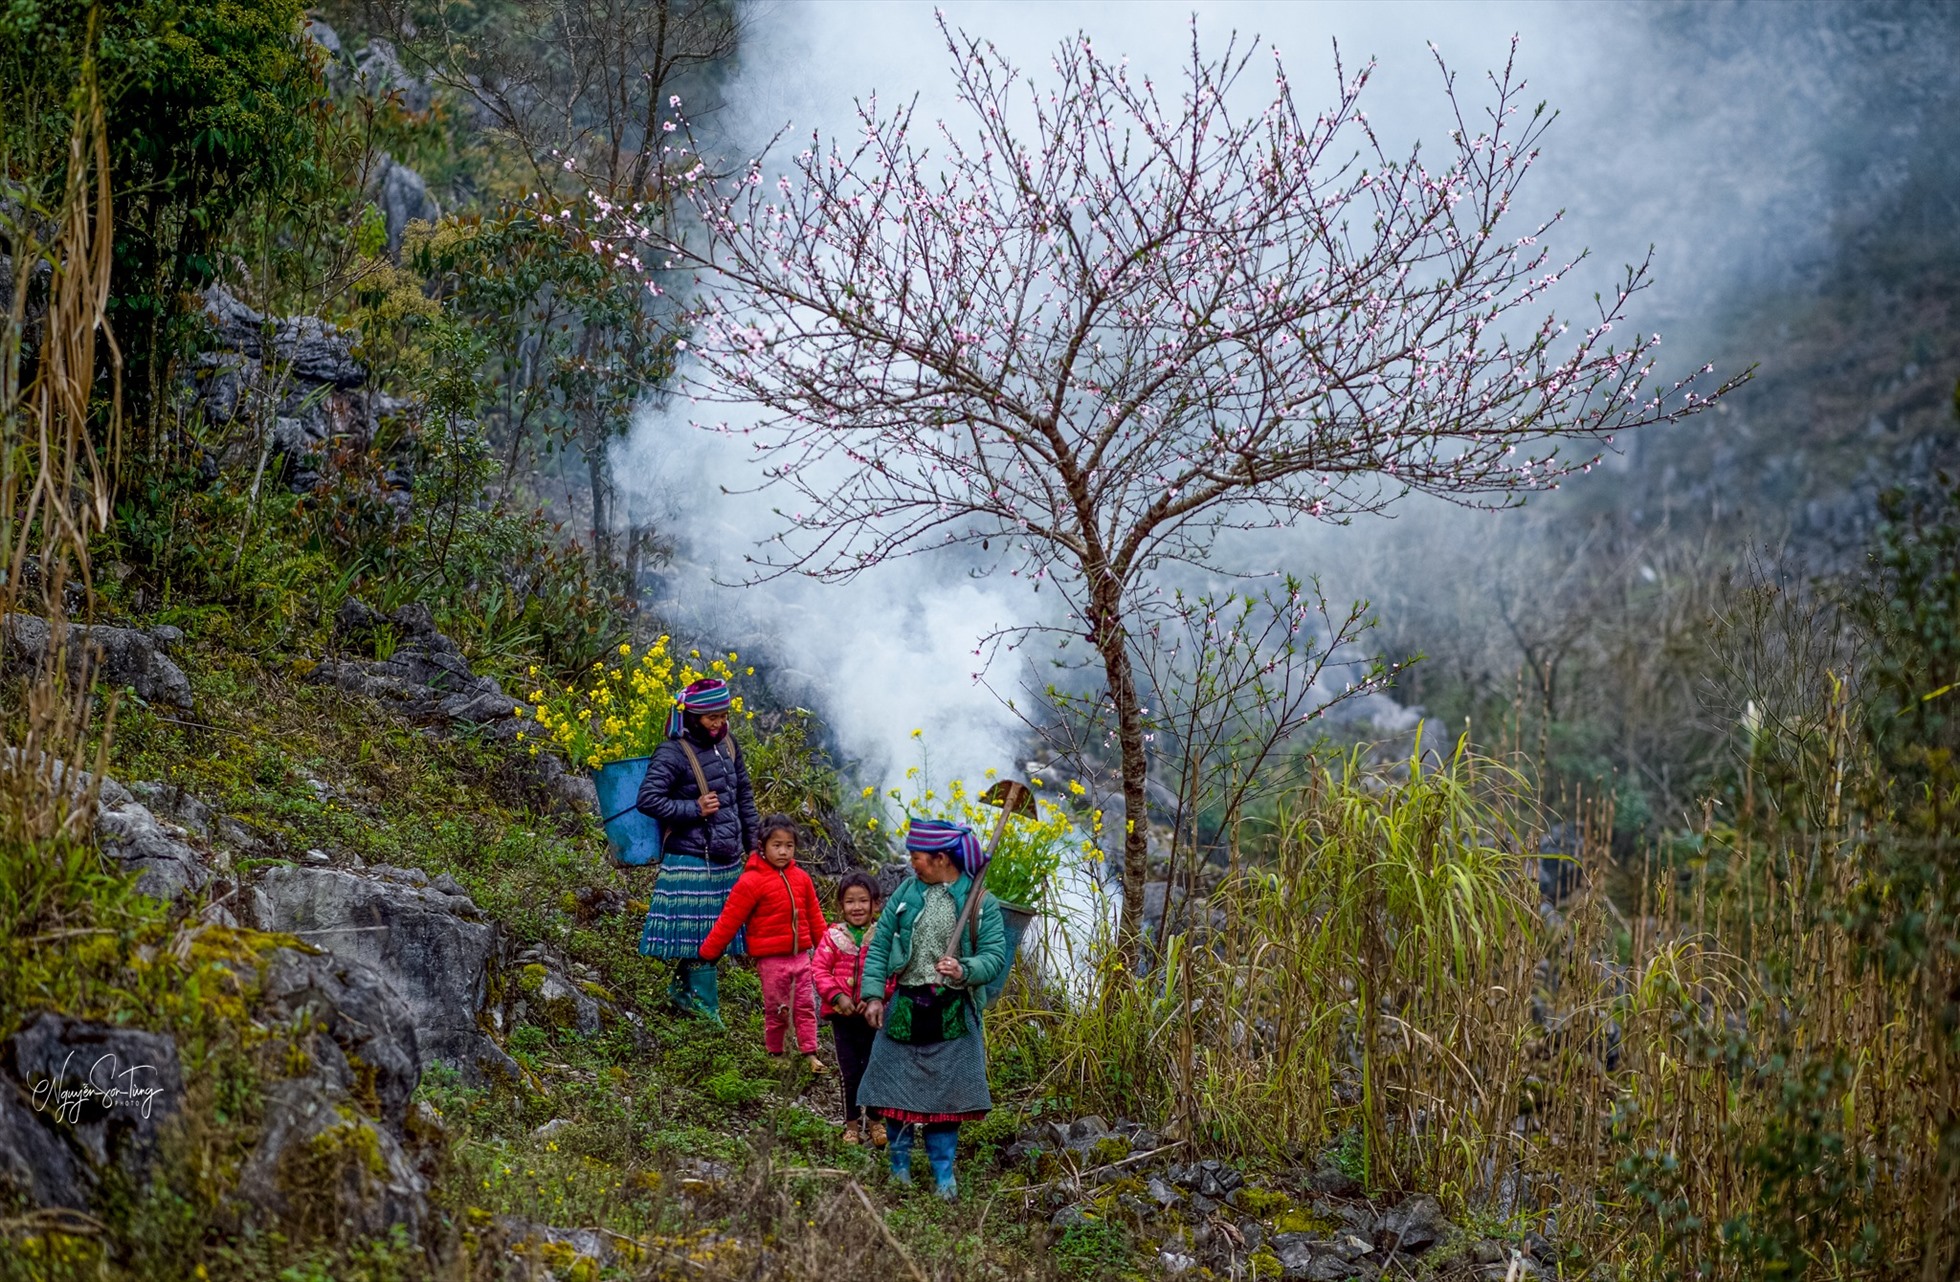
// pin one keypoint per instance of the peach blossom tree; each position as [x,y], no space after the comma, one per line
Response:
[1101,321]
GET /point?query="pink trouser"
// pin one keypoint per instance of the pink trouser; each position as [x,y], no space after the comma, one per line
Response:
[788,993]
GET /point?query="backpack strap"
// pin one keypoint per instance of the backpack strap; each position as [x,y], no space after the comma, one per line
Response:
[700,775]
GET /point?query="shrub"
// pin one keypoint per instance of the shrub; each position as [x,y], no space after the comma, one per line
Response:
[208,108]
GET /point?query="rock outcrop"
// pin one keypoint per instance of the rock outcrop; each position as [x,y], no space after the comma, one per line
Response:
[1312,1222]
[297,384]
[165,864]
[328,1170]
[429,943]
[552,991]
[379,73]
[403,198]
[123,657]
[424,678]
[361,1033]
[159,854]
[81,1106]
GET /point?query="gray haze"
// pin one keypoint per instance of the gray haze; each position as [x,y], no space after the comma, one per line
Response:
[1747,144]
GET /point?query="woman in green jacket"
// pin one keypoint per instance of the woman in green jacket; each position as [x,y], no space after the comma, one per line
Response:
[928,1067]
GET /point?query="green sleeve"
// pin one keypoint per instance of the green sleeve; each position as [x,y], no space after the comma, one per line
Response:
[988,957]
[877,961]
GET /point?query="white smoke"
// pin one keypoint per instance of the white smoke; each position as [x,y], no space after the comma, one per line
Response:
[885,654]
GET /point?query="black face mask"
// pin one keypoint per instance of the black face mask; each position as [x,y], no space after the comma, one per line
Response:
[692,723]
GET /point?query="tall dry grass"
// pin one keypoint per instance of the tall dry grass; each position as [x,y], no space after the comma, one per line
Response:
[1717,1081]
[60,439]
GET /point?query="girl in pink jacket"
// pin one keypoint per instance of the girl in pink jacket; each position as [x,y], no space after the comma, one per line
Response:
[839,969]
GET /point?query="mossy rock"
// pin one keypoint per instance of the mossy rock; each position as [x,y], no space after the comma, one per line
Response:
[1264,1264]
[567,1263]
[1261,1204]
[1110,1148]
[1296,1220]
[531,979]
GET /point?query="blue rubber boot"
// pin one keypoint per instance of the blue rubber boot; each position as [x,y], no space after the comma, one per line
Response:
[941,1146]
[899,1150]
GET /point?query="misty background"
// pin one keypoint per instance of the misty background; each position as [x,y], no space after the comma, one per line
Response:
[1794,167]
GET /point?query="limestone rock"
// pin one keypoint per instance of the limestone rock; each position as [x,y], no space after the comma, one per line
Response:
[172,802]
[80,1102]
[331,1156]
[319,33]
[378,71]
[164,864]
[36,1166]
[1303,1256]
[325,1168]
[113,656]
[359,1020]
[1332,1180]
[1210,1177]
[1414,1225]
[432,948]
[553,1001]
[129,834]
[424,678]
[1071,1217]
[307,348]
[403,198]
[565,1249]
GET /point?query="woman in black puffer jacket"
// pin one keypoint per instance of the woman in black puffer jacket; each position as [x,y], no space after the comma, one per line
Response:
[705,838]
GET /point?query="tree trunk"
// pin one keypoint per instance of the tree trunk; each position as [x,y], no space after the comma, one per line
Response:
[1112,641]
[599,467]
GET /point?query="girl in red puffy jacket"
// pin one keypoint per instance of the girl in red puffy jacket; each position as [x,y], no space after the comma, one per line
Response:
[777,901]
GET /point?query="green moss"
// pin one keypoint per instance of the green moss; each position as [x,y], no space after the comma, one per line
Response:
[1110,1148]
[1298,1220]
[1260,1203]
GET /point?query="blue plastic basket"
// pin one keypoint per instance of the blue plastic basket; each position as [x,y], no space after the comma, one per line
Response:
[635,837]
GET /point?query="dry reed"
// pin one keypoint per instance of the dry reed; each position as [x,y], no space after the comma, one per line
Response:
[1646,1088]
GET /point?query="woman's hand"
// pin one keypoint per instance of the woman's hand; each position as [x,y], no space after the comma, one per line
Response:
[710,804]
[950,968]
[874,1013]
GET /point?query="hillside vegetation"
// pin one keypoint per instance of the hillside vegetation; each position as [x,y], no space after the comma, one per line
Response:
[1650,970]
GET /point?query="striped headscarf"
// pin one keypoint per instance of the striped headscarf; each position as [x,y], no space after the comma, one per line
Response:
[710,694]
[936,836]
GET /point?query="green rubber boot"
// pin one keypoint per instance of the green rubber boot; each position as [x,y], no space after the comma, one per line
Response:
[694,991]
[680,993]
[704,983]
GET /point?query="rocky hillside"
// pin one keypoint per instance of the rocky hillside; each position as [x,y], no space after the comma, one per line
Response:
[374,1003]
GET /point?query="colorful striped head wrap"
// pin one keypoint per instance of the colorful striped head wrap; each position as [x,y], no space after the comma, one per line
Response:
[710,694]
[936,836]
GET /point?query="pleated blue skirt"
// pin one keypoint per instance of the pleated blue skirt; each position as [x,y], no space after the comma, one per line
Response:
[686,900]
